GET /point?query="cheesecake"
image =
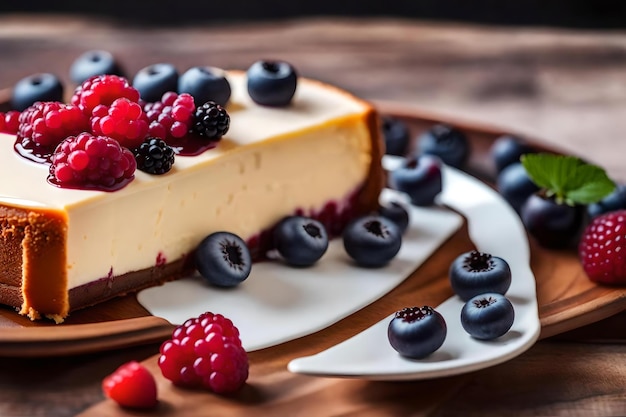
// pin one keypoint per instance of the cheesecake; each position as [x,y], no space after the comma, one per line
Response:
[63,249]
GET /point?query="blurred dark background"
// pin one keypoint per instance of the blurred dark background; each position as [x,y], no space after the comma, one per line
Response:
[564,13]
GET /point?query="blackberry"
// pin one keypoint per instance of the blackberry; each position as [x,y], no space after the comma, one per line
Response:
[211,121]
[154,156]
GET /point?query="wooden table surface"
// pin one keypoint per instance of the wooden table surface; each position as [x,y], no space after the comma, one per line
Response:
[568,87]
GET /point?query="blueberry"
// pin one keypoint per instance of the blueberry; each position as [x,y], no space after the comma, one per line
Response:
[487,316]
[36,87]
[223,259]
[447,143]
[613,202]
[301,241]
[420,178]
[397,213]
[155,80]
[473,273]
[507,150]
[396,135]
[552,224]
[372,241]
[515,186]
[92,63]
[416,332]
[272,83]
[205,84]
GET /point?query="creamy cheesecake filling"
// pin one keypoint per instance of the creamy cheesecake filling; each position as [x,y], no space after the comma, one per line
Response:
[273,162]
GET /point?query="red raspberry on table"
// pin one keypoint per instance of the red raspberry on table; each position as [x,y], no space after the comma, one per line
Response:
[131,385]
[9,122]
[602,248]
[123,121]
[102,90]
[205,352]
[48,123]
[91,162]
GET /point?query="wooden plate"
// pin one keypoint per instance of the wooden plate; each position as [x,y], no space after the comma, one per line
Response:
[567,299]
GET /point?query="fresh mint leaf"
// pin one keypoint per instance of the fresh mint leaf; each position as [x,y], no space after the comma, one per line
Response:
[569,179]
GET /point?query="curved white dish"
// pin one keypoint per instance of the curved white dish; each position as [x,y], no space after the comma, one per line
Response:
[278,303]
[494,228]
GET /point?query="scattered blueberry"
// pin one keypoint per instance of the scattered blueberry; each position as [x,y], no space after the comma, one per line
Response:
[372,241]
[397,213]
[223,259]
[473,273]
[487,316]
[36,87]
[155,80]
[205,84]
[446,142]
[507,150]
[553,225]
[96,62]
[420,178]
[515,186]
[396,135]
[416,332]
[272,83]
[613,202]
[301,241]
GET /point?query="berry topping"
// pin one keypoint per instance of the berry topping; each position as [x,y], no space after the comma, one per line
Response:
[602,248]
[205,84]
[154,156]
[272,83]
[416,332]
[91,162]
[123,121]
[420,178]
[396,135]
[9,122]
[171,117]
[205,352]
[211,121]
[555,215]
[301,241]
[92,63]
[487,316]
[473,273]
[372,241]
[223,259]
[155,80]
[46,124]
[447,143]
[132,386]
[102,90]
[34,88]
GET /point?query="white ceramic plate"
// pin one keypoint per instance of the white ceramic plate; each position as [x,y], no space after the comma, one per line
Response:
[494,228]
[278,303]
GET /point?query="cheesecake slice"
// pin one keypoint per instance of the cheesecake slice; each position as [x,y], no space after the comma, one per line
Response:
[65,249]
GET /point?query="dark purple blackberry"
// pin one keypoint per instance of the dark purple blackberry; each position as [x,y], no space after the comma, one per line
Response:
[211,121]
[154,156]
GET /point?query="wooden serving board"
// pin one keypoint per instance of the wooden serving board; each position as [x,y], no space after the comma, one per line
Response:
[566,298]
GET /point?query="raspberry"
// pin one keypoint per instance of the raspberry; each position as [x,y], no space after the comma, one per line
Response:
[131,385]
[602,248]
[48,123]
[154,156]
[102,90]
[9,122]
[123,121]
[91,162]
[172,117]
[211,121]
[205,352]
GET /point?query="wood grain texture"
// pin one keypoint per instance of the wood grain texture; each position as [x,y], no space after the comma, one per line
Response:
[564,87]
